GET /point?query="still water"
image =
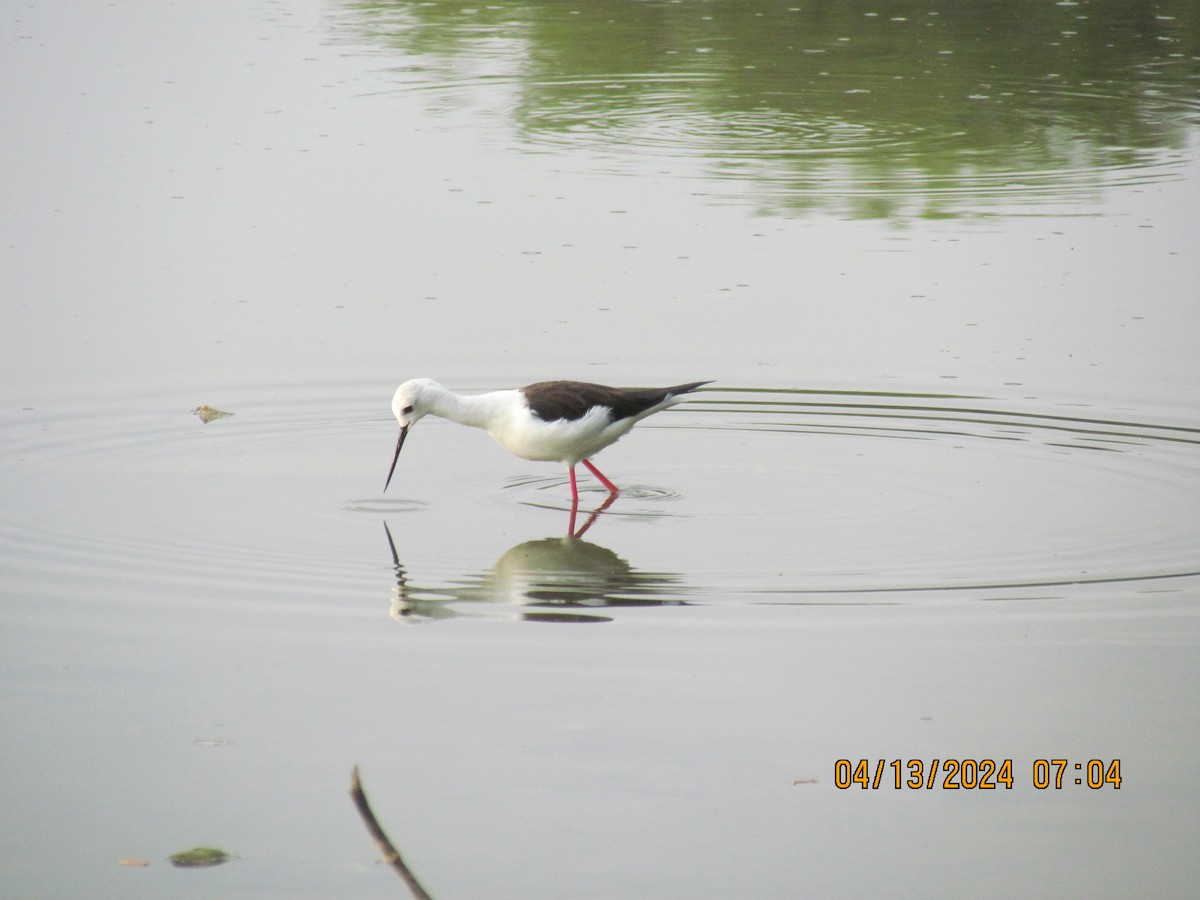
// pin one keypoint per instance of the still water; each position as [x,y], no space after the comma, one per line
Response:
[941,502]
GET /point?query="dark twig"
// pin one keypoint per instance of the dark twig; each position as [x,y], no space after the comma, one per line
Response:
[390,854]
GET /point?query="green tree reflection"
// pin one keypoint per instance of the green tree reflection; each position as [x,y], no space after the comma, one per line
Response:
[873,109]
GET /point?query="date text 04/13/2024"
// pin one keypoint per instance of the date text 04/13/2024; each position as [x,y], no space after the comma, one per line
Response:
[973,774]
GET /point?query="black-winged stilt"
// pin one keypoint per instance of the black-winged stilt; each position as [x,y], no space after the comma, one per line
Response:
[551,421]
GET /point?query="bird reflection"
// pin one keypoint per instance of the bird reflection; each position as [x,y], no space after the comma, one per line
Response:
[557,579]
[592,516]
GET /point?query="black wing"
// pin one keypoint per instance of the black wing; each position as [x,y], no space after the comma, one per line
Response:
[554,400]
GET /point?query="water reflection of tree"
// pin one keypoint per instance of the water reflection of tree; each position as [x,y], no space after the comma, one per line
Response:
[938,105]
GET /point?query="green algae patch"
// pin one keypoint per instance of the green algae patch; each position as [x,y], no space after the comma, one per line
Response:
[199,857]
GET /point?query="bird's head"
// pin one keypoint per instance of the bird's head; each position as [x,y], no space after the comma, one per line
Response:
[412,400]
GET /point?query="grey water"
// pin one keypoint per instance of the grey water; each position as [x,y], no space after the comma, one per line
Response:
[942,501]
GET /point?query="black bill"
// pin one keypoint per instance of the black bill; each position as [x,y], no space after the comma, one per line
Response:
[399,444]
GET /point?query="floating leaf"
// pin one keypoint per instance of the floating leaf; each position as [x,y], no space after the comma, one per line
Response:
[207,413]
[198,857]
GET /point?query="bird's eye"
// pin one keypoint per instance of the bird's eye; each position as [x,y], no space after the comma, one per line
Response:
[406,410]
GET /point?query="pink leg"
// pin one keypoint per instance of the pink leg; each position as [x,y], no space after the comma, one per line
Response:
[574,489]
[608,484]
[571,522]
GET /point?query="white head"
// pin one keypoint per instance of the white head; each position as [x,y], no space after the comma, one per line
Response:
[412,400]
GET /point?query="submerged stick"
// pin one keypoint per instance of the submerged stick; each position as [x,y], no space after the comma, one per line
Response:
[390,854]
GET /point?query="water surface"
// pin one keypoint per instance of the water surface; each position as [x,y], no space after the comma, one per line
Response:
[940,502]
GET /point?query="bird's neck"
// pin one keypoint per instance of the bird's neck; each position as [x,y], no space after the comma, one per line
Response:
[479,411]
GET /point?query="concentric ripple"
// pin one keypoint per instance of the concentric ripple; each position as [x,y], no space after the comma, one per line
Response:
[739,495]
[892,493]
